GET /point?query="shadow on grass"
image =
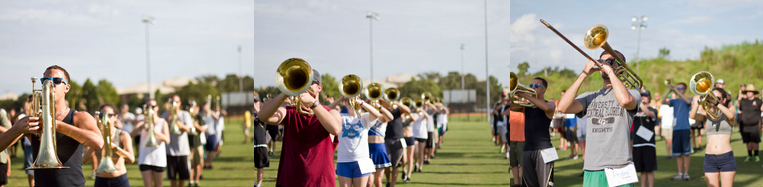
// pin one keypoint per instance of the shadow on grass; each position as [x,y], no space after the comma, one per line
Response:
[457,184]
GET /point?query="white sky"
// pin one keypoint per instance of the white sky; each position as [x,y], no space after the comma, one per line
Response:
[106,39]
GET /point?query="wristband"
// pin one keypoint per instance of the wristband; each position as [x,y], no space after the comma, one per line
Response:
[315,104]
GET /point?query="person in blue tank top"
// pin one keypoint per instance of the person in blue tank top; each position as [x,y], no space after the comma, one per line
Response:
[73,130]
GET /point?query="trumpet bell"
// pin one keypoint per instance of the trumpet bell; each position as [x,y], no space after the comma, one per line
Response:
[106,164]
[407,102]
[426,96]
[47,157]
[418,103]
[294,76]
[391,94]
[151,140]
[668,82]
[702,84]
[516,87]
[374,91]
[350,86]
[596,37]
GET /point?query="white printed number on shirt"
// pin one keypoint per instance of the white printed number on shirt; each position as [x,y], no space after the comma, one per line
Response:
[622,176]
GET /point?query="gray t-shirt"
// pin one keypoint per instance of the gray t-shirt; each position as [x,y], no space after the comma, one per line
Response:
[608,129]
[430,121]
[178,145]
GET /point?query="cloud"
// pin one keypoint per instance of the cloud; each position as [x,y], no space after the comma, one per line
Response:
[692,20]
[522,28]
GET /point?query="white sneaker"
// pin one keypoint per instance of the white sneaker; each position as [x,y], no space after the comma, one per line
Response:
[507,154]
[492,140]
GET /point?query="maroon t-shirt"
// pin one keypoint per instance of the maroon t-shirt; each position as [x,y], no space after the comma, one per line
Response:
[307,152]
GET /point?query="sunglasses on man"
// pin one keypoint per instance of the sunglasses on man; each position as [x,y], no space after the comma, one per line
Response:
[536,86]
[609,61]
[56,80]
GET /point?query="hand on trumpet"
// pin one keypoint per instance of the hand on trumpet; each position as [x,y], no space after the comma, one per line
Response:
[29,125]
[591,68]
[307,99]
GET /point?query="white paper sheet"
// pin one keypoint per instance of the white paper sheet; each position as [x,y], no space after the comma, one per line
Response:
[549,155]
[622,176]
[644,133]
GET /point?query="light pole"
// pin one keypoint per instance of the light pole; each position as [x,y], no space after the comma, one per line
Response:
[371,17]
[487,76]
[240,77]
[640,25]
[148,20]
[463,47]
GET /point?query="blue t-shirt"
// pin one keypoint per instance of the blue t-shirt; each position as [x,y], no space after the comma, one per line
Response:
[681,113]
[570,120]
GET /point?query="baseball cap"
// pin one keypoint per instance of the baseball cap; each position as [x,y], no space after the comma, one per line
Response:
[720,81]
[316,77]
[645,92]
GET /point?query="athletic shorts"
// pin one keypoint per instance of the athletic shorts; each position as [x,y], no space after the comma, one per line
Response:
[395,151]
[261,158]
[667,133]
[28,159]
[441,131]
[350,170]
[645,158]
[570,134]
[515,153]
[597,178]
[211,143]
[196,156]
[534,171]
[143,168]
[698,125]
[720,163]
[750,134]
[379,155]
[177,168]
[430,140]
[3,176]
[409,141]
[120,181]
[273,131]
[421,140]
[682,142]
[561,132]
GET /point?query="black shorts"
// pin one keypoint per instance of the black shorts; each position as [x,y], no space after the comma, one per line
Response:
[421,140]
[698,125]
[273,131]
[3,176]
[748,137]
[409,141]
[120,181]
[143,168]
[645,158]
[720,163]
[177,166]
[570,134]
[261,158]
[430,140]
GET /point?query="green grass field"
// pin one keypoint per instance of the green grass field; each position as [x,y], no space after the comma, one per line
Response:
[467,158]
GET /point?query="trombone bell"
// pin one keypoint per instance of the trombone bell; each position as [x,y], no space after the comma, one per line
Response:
[106,164]
[516,87]
[151,141]
[702,84]
[391,94]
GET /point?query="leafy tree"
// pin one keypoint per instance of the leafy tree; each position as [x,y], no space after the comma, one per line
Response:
[74,95]
[231,83]
[330,87]
[664,53]
[196,92]
[106,93]
[523,67]
[272,90]
[89,96]
[432,75]
[414,88]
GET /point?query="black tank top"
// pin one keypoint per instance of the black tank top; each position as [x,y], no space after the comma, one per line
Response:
[536,129]
[69,151]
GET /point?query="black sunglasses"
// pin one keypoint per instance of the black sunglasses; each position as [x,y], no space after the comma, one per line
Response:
[56,80]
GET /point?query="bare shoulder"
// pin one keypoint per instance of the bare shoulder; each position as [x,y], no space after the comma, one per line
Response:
[82,118]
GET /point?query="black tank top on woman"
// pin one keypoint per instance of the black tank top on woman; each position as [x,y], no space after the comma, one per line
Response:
[69,152]
[536,129]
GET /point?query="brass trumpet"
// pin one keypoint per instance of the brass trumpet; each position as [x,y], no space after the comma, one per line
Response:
[149,120]
[407,102]
[351,87]
[104,121]
[426,96]
[391,94]
[516,87]
[45,98]
[596,37]
[702,84]
[192,130]
[294,77]
[174,129]
[669,83]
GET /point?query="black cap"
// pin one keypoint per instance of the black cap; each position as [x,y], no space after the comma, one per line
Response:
[316,77]
[645,92]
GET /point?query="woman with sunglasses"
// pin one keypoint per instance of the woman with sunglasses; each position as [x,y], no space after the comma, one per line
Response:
[121,147]
[152,161]
[719,157]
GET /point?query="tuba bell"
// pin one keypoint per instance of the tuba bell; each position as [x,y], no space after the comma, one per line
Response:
[702,84]
[294,77]
[45,99]
[516,87]
[351,87]
[174,129]
[149,120]
[104,122]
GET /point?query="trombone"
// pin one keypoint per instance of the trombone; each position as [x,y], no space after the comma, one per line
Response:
[516,87]
[351,87]
[669,83]
[595,38]
[702,84]
[47,157]
[294,77]
[104,121]
[391,94]
[149,120]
